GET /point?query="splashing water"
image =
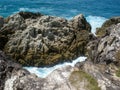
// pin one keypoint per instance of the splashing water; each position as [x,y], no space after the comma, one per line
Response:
[43,72]
[95,22]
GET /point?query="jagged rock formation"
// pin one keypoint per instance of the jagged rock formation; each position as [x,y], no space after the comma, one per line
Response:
[105,49]
[7,67]
[103,61]
[14,77]
[102,31]
[64,78]
[38,40]
[105,75]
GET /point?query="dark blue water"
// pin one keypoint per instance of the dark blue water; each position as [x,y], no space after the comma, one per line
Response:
[63,8]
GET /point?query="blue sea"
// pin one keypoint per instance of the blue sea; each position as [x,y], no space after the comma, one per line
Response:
[62,8]
[95,11]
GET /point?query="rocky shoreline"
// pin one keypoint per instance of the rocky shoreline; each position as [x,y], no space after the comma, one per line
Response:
[33,39]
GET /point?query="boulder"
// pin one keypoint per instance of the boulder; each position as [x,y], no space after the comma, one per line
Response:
[106,49]
[112,21]
[7,67]
[64,78]
[103,62]
[14,77]
[33,39]
[104,75]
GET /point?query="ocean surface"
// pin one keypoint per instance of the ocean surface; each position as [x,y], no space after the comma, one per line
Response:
[95,11]
[62,8]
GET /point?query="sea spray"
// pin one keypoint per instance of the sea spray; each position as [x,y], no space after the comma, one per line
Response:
[43,72]
[95,22]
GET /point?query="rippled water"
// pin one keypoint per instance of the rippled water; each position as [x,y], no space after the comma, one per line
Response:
[63,8]
[96,11]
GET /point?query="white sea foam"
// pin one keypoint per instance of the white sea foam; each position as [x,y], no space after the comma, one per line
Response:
[42,9]
[95,22]
[43,72]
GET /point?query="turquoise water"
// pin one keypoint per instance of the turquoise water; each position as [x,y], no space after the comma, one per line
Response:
[96,11]
[62,8]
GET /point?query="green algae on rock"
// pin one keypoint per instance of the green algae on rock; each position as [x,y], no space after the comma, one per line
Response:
[118,72]
[81,79]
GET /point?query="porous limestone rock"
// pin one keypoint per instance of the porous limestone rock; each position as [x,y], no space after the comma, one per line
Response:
[7,67]
[64,78]
[34,39]
[103,74]
[104,49]
[103,62]
[112,21]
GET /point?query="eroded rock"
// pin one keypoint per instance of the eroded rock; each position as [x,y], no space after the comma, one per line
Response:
[33,39]
[103,50]
[7,67]
[64,78]
[105,27]
[103,60]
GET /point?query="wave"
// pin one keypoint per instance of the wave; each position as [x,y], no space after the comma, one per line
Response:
[43,72]
[95,22]
[42,9]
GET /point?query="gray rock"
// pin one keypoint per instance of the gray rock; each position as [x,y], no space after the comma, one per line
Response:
[7,66]
[104,49]
[59,79]
[105,75]
[104,56]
